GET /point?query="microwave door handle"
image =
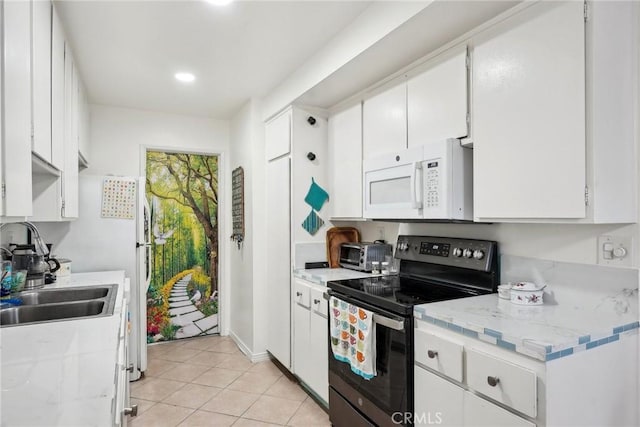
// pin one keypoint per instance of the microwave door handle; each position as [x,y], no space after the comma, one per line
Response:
[416,202]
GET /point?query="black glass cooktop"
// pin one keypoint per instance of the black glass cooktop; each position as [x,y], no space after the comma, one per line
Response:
[398,294]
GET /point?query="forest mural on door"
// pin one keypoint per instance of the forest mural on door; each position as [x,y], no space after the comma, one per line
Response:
[182,300]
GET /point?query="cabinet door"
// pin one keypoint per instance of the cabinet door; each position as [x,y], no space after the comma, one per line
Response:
[480,412]
[70,175]
[57,92]
[384,122]
[345,152]
[319,346]
[529,115]
[437,104]
[16,142]
[302,363]
[278,136]
[279,260]
[437,401]
[41,81]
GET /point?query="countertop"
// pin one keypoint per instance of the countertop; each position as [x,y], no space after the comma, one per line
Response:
[573,323]
[323,275]
[59,373]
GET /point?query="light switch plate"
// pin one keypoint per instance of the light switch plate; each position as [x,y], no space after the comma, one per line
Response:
[617,244]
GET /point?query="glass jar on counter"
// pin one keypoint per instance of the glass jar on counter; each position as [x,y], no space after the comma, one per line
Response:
[385,270]
[375,267]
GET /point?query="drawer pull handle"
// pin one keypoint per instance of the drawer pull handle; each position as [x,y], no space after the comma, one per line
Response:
[130,368]
[432,354]
[493,381]
[316,301]
[298,294]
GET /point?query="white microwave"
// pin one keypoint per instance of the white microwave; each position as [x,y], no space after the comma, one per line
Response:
[430,182]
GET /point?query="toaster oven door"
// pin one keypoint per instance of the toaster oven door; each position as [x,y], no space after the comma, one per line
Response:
[351,256]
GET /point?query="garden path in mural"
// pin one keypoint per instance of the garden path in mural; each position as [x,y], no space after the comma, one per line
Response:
[182,300]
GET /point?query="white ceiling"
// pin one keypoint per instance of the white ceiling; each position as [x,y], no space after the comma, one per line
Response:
[128,51]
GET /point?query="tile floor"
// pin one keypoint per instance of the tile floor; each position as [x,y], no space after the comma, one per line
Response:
[209,382]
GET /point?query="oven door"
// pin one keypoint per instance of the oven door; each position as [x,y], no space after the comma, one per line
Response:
[393,185]
[387,397]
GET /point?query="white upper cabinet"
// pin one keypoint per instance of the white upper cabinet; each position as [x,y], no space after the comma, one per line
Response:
[529,115]
[70,175]
[553,115]
[57,92]
[437,99]
[16,137]
[384,122]
[41,79]
[83,124]
[278,136]
[345,154]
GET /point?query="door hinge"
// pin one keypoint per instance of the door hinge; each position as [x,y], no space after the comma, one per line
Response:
[468,118]
[4,190]
[467,61]
[586,12]
[586,196]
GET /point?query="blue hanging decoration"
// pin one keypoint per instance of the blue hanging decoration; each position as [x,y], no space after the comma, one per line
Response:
[312,223]
[316,196]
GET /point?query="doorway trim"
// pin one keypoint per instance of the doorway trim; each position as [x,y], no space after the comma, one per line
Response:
[224,245]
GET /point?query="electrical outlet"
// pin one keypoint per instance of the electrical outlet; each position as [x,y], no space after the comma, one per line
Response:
[380,233]
[615,250]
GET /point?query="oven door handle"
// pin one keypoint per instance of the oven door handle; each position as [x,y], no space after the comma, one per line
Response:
[398,325]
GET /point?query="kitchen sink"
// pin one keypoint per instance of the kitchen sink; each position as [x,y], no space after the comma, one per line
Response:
[49,296]
[48,305]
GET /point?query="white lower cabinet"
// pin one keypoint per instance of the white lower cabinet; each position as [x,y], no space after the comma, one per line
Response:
[121,402]
[310,343]
[463,381]
[480,412]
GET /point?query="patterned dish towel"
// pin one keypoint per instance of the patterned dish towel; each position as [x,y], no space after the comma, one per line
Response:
[353,337]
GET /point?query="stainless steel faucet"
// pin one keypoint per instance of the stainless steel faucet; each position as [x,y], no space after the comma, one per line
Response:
[41,247]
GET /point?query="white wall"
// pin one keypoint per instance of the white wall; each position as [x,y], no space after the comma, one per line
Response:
[241,259]
[118,135]
[559,242]
[247,286]
[377,21]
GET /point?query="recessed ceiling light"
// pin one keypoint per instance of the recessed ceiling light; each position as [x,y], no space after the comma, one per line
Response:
[185,77]
[219,2]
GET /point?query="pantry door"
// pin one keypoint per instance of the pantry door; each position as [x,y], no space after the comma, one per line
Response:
[182,190]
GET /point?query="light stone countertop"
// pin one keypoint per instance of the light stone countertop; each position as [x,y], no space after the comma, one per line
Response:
[323,275]
[62,373]
[573,322]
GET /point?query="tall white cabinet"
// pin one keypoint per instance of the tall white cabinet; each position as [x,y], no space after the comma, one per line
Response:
[296,152]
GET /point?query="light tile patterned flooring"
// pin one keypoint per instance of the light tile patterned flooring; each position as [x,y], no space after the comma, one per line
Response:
[209,382]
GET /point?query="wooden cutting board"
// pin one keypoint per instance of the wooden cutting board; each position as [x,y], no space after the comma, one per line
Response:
[335,237]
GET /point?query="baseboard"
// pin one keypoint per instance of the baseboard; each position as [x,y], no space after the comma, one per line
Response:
[254,357]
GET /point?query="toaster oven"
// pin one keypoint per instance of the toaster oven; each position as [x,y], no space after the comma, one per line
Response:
[359,256]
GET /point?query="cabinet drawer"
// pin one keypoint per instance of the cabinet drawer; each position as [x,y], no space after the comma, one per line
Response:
[480,412]
[318,303]
[301,294]
[513,385]
[439,354]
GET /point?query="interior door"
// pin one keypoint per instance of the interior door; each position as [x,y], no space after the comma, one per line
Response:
[184,284]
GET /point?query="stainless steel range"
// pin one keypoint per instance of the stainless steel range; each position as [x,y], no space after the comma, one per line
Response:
[431,269]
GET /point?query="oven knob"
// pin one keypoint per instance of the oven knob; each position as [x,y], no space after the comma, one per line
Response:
[457,252]
[478,254]
[403,246]
[467,253]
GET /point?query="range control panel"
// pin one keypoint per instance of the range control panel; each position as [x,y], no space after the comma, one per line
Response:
[464,253]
